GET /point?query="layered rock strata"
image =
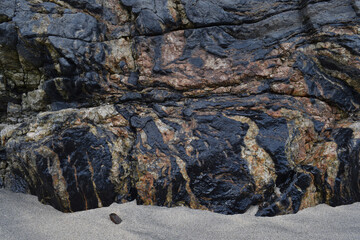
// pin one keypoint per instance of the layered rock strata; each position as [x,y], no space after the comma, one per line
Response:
[216,105]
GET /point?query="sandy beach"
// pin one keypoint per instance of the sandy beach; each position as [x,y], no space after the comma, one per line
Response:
[23,217]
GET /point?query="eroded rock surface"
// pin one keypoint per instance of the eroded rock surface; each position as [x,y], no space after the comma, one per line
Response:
[216,105]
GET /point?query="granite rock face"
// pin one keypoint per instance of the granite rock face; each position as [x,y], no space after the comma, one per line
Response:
[215,105]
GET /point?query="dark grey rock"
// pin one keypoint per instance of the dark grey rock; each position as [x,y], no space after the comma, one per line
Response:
[7,10]
[115,218]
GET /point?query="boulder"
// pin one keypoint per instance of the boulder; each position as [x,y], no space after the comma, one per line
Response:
[214,105]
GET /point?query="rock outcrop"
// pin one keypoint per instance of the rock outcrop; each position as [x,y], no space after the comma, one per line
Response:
[216,105]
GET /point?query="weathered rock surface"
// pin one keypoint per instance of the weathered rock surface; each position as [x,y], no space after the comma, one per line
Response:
[216,105]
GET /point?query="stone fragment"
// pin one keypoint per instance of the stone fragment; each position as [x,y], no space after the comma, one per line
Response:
[115,218]
[13,108]
[35,100]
